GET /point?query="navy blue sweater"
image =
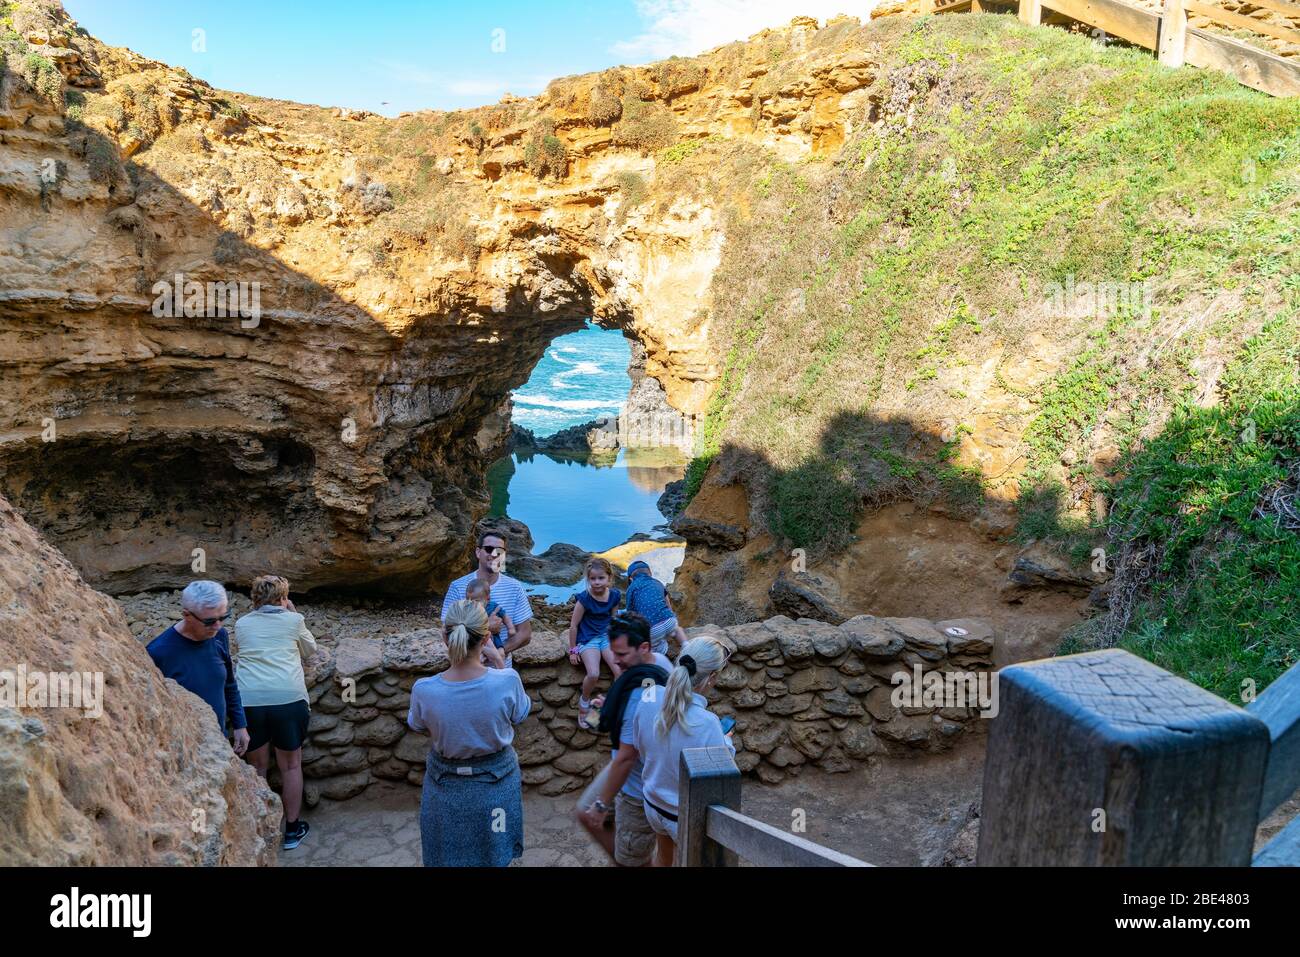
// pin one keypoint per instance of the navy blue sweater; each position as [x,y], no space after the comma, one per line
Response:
[203,667]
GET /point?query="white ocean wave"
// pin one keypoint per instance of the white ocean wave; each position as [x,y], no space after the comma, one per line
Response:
[560,380]
[571,404]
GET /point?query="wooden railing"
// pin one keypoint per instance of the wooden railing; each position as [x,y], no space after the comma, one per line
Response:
[1094,759]
[1104,758]
[711,831]
[1169,34]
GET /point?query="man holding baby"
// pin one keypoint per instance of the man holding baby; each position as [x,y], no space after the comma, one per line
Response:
[509,614]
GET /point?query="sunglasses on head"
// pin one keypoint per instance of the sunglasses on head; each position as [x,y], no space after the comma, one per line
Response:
[208,621]
[618,625]
[726,651]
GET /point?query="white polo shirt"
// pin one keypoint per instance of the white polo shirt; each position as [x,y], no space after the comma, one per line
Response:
[661,754]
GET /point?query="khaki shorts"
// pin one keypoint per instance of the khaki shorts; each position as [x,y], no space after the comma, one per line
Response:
[634,841]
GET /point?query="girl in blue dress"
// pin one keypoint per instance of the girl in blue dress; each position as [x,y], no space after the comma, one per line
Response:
[589,630]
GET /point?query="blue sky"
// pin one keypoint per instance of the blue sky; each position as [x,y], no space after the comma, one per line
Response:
[395,55]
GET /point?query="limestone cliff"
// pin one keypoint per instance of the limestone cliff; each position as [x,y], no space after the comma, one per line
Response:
[143,777]
[410,272]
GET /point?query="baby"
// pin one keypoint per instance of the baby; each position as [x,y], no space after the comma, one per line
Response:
[479,591]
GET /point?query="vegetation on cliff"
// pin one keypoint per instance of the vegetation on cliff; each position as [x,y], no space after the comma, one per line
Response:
[1027,196]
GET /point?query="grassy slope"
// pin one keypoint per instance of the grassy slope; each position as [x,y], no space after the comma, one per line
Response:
[856,295]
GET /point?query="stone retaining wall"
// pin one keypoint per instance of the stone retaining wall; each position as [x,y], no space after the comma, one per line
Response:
[801,691]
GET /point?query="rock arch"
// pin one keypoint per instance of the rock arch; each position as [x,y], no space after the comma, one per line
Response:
[344,439]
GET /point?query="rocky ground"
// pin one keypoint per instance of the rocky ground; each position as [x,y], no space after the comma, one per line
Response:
[381,828]
[911,813]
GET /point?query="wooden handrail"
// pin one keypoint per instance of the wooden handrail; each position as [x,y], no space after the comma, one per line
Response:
[767,846]
[1283,850]
[711,831]
[1178,43]
[1242,22]
[1279,708]
[1101,758]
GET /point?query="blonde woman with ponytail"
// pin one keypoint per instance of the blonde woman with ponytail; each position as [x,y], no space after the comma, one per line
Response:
[669,720]
[471,811]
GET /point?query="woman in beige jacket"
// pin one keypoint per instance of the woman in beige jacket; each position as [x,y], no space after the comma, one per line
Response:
[272,642]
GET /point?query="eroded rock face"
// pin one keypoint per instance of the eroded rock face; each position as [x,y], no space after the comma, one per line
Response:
[151,781]
[903,559]
[342,437]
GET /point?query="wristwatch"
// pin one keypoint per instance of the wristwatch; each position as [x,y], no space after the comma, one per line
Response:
[599,805]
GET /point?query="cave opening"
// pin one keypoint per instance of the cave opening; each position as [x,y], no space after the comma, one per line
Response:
[594,458]
[135,510]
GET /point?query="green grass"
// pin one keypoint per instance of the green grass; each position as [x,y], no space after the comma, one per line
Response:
[1223,607]
[685,149]
[19,57]
[860,299]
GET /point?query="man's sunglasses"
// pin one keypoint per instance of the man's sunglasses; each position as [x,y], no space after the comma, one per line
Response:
[208,621]
[496,551]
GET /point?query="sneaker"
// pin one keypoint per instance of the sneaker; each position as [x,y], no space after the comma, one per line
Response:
[294,833]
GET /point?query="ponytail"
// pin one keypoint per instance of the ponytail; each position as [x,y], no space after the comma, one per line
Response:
[466,624]
[699,659]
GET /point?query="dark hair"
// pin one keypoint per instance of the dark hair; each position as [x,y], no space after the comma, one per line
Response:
[484,536]
[635,628]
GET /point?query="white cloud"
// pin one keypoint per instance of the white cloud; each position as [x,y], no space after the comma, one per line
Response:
[688,27]
[490,87]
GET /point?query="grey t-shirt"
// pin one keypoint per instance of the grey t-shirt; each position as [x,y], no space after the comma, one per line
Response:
[468,719]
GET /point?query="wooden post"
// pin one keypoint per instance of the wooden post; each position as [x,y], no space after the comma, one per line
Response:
[1173,34]
[708,776]
[1279,708]
[1031,12]
[1105,759]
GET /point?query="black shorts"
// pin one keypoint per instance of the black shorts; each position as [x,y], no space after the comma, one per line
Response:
[284,726]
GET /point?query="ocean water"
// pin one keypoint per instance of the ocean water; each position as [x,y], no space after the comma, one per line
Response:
[582,376]
[595,504]
[592,504]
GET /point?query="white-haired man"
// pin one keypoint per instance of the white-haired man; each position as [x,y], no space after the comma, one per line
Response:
[195,652]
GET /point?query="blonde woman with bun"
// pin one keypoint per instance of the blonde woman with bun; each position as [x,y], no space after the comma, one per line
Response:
[670,719]
[272,641]
[471,811]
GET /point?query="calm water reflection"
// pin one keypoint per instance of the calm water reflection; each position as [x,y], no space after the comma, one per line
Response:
[592,503]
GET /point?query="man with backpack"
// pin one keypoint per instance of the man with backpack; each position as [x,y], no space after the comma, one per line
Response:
[618,787]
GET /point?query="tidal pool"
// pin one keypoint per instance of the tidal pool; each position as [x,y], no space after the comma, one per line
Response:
[593,502]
